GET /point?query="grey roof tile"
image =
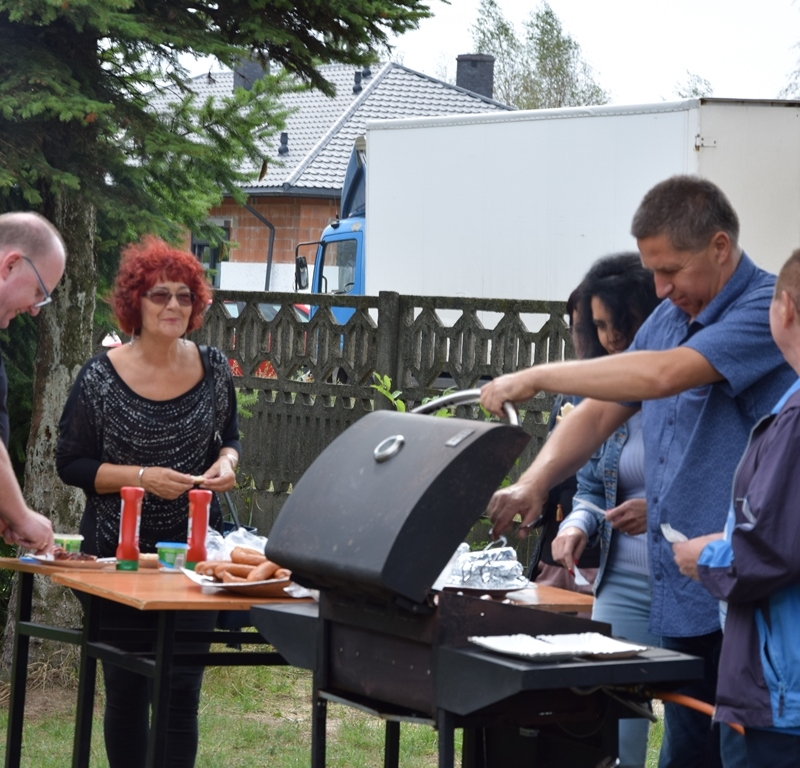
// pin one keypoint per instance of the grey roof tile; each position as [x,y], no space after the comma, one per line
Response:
[321,129]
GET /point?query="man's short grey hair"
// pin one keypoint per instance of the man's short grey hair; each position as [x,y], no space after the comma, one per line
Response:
[30,233]
[688,210]
[789,278]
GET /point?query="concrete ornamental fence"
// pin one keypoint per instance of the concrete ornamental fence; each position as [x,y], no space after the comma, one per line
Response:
[322,371]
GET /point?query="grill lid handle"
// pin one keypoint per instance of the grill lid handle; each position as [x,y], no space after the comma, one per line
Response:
[387,448]
[465,397]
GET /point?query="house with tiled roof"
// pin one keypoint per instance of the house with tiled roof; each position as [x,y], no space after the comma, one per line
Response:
[299,194]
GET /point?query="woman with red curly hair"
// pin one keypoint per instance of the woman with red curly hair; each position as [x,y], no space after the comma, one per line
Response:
[160,413]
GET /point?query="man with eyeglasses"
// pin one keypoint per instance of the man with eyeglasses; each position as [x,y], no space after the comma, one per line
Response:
[32,260]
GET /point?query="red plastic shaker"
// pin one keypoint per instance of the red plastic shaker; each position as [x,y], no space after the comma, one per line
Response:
[130,517]
[199,506]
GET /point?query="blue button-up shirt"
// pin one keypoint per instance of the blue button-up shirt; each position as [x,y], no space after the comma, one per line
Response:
[693,440]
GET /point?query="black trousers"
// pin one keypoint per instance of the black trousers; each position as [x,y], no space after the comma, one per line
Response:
[768,749]
[691,740]
[126,721]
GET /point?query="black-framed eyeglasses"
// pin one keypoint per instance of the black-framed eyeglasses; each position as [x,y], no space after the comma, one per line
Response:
[163,297]
[47,297]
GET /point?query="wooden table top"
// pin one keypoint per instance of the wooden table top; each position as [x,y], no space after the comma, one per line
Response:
[147,589]
[26,566]
[158,591]
[553,599]
[50,567]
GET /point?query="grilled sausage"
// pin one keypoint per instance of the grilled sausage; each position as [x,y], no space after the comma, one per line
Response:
[234,569]
[230,578]
[205,568]
[263,572]
[247,556]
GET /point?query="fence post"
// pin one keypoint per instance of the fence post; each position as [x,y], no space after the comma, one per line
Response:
[388,342]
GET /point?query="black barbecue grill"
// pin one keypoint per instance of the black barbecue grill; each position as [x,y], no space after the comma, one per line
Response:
[371,524]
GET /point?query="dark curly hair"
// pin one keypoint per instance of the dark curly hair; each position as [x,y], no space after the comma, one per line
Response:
[142,265]
[628,291]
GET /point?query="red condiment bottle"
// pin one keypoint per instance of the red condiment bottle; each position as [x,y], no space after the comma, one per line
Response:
[130,516]
[199,504]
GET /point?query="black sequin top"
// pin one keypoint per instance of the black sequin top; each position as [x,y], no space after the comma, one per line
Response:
[104,421]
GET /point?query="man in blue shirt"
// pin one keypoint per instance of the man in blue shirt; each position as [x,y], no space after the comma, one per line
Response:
[703,368]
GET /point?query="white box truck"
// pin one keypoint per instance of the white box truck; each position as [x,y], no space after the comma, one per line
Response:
[520,204]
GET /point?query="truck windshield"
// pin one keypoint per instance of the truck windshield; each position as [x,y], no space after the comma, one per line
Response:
[338,266]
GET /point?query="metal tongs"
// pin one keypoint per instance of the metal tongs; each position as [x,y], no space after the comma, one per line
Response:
[465,397]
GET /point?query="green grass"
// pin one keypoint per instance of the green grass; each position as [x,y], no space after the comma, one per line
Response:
[262,715]
[249,716]
[654,746]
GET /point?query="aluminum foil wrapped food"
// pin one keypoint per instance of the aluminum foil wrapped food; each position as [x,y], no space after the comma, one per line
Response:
[490,568]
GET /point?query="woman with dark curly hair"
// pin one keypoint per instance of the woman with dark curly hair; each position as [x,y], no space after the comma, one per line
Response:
[616,297]
[157,413]
[620,289]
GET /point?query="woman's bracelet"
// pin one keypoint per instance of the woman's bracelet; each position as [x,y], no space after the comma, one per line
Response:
[141,472]
[232,457]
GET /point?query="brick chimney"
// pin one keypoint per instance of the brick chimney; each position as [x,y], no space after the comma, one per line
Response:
[475,72]
[246,73]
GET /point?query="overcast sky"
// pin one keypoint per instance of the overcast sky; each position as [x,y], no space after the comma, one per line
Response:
[641,49]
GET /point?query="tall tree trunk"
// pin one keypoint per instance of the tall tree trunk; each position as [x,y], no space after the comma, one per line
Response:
[65,342]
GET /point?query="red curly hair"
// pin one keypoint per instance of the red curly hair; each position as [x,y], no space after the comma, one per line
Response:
[142,266]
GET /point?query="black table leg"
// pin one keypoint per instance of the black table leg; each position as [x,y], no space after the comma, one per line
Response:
[445,722]
[391,746]
[19,672]
[157,748]
[81,748]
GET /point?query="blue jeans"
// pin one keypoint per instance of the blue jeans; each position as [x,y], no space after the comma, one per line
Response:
[623,601]
[733,749]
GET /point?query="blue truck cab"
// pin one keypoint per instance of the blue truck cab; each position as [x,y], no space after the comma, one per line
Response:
[339,263]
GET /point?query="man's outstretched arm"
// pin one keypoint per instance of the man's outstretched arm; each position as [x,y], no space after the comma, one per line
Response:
[567,449]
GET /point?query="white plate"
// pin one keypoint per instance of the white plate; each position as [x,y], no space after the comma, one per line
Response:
[525,646]
[204,581]
[595,645]
[554,647]
[269,588]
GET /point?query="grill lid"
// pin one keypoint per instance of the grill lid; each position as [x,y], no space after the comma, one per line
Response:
[385,505]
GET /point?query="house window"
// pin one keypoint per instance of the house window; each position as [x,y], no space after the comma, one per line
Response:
[211,256]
